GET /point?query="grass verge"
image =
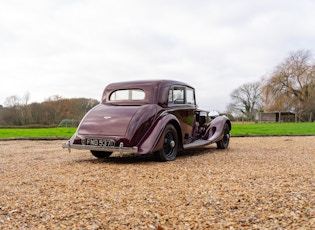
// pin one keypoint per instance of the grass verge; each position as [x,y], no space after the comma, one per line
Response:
[273,129]
[20,133]
[238,129]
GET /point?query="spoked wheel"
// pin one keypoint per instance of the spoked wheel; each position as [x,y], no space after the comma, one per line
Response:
[224,143]
[170,145]
[100,154]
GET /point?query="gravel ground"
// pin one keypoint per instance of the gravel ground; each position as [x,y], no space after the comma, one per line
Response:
[258,183]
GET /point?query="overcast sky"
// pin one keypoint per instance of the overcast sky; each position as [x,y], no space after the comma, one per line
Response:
[74,48]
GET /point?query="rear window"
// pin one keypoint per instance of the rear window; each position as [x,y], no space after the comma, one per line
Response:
[127,95]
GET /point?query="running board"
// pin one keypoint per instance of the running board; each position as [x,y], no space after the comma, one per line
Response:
[197,143]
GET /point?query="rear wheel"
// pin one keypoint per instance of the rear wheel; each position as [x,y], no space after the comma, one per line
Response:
[170,144]
[100,154]
[224,143]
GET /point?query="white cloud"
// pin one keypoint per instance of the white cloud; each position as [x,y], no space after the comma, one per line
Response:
[75,48]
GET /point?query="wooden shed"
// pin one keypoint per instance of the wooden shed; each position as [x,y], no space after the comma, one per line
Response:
[277,117]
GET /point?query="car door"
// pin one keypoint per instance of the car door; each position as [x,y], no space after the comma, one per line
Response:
[182,101]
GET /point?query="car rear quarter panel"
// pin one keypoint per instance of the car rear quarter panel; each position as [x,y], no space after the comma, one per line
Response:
[152,141]
[141,122]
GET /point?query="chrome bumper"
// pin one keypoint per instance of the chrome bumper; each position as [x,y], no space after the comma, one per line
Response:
[122,150]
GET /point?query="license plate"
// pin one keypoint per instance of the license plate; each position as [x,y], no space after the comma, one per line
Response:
[97,142]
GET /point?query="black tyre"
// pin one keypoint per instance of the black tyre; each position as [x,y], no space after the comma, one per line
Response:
[170,145]
[100,154]
[224,143]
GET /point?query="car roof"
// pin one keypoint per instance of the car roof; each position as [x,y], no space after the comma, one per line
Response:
[156,90]
[145,82]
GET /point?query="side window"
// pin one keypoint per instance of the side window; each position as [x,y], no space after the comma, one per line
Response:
[190,99]
[181,95]
[176,95]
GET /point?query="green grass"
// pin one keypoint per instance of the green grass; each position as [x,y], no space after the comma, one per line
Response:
[270,129]
[238,129]
[36,132]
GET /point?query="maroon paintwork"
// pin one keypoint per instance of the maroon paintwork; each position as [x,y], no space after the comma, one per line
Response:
[157,123]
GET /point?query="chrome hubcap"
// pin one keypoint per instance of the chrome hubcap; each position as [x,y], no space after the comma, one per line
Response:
[172,144]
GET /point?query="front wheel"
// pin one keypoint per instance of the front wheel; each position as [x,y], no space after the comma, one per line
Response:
[100,154]
[224,142]
[170,144]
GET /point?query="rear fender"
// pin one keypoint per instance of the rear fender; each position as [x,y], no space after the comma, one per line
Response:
[152,141]
[215,130]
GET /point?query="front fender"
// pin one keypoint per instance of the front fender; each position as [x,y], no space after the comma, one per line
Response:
[215,130]
[151,142]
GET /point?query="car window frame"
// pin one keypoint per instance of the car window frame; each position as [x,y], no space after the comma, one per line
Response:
[129,95]
[185,90]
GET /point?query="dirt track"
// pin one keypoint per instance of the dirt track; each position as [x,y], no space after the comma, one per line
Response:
[257,183]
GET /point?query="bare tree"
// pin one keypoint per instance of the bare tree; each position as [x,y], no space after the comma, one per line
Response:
[26,97]
[17,112]
[12,101]
[290,86]
[25,108]
[13,114]
[246,100]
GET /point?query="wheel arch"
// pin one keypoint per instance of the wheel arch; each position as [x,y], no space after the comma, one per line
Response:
[153,141]
[217,126]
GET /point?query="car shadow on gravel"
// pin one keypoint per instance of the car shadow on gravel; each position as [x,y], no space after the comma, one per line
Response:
[198,151]
[149,158]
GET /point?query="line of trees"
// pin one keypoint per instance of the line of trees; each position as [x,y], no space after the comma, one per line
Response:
[289,87]
[18,112]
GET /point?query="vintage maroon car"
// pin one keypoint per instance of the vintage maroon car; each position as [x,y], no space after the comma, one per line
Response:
[142,117]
